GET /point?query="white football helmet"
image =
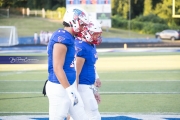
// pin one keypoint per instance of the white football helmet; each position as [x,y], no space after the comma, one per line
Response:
[92,32]
[76,17]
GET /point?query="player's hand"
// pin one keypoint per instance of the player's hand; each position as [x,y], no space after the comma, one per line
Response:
[97,97]
[74,100]
[98,83]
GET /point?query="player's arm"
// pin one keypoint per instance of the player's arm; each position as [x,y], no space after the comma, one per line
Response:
[98,85]
[97,81]
[59,53]
[79,64]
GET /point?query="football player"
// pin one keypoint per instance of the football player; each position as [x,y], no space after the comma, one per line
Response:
[61,86]
[86,57]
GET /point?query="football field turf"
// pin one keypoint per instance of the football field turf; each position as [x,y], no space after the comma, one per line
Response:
[136,82]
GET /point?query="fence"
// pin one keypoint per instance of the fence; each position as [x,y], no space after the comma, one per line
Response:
[58,14]
[29,12]
[4,13]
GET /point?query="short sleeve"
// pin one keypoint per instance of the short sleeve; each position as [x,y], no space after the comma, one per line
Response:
[63,38]
[80,52]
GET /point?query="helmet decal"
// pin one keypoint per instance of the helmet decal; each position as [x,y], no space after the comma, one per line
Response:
[78,13]
[76,18]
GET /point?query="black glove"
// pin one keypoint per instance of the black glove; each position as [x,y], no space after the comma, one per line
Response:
[44,88]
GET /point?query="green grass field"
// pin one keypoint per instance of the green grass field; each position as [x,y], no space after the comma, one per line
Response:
[131,83]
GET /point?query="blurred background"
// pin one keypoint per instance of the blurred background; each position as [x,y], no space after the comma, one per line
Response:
[123,21]
[138,59]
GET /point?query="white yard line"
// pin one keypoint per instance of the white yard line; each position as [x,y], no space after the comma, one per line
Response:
[139,92]
[110,116]
[101,80]
[21,80]
[20,92]
[99,92]
[106,113]
[24,112]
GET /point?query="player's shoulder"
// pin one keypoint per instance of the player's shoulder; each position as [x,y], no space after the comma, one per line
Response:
[63,33]
[62,36]
[81,44]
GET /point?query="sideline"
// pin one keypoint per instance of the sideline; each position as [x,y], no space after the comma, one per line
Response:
[43,49]
[102,93]
[104,117]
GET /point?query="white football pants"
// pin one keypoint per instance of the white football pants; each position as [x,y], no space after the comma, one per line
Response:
[60,104]
[90,103]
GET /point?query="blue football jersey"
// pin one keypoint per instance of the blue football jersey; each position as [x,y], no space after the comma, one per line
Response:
[89,53]
[63,37]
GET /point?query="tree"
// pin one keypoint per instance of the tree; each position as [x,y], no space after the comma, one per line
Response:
[137,7]
[147,7]
[1,3]
[7,3]
[177,7]
[121,7]
[164,10]
[177,11]
[124,6]
[114,6]
[33,4]
[58,3]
